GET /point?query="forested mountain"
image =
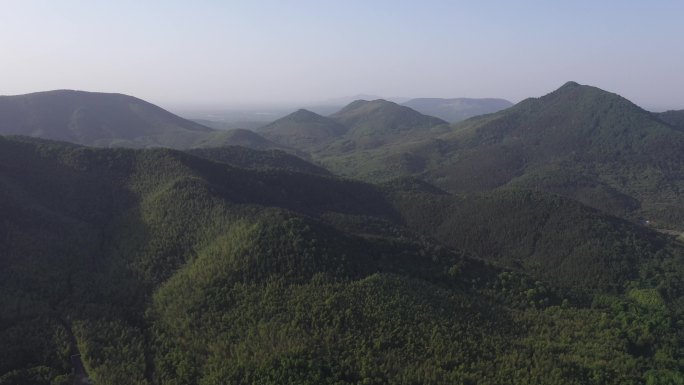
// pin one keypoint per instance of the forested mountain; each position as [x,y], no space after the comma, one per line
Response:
[244,138]
[111,120]
[578,141]
[95,119]
[229,125]
[379,116]
[303,129]
[246,157]
[378,122]
[358,126]
[673,118]
[457,109]
[161,267]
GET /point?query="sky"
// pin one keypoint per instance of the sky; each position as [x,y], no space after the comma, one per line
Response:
[240,53]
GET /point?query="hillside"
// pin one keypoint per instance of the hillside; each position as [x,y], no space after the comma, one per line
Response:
[245,157]
[673,118]
[578,141]
[160,267]
[368,118]
[112,120]
[549,237]
[457,109]
[229,125]
[97,119]
[244,138]
[359,126]
[303,129]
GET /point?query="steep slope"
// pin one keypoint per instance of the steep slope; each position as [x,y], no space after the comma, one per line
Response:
[172,269]
[303,129]
[457,109]
[95,119]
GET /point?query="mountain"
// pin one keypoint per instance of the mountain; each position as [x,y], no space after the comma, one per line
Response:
[578,141]
[229,125]
[160,267]
[372,124]
[457,109]
[536,232]
[363,117]
[303,129]
[97,119]
[246,157]
[673,118]
[358,126]
[245,138]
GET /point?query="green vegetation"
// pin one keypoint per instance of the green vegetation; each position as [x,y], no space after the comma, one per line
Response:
[161,267]
[247,157]
[303,130]
[360,125]
[113,120]
[673,118]
[457,109]
[578,141]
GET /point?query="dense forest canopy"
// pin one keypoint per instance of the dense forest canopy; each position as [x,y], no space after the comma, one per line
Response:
[513,248]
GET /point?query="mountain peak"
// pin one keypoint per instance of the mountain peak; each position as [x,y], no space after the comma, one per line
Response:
[95,119]
[571,84]
[303,115]
[302,129]
[365,106]
[364,117]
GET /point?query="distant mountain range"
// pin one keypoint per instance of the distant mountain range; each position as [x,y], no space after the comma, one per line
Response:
[451,110]
[578,141]
[360,125]
[515,247]
[111,120]
[457,109]
[303,129]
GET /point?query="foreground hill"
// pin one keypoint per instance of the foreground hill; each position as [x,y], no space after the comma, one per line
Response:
[160,267]
[457,109]
[244,138]
[578,141]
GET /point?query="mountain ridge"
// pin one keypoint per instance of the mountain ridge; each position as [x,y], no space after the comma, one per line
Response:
[87,117]
[578,141]
[110,120]
[454,110]
[303,129]
[173,269]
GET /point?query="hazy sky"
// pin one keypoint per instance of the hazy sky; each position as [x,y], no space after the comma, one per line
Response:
[243,52]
